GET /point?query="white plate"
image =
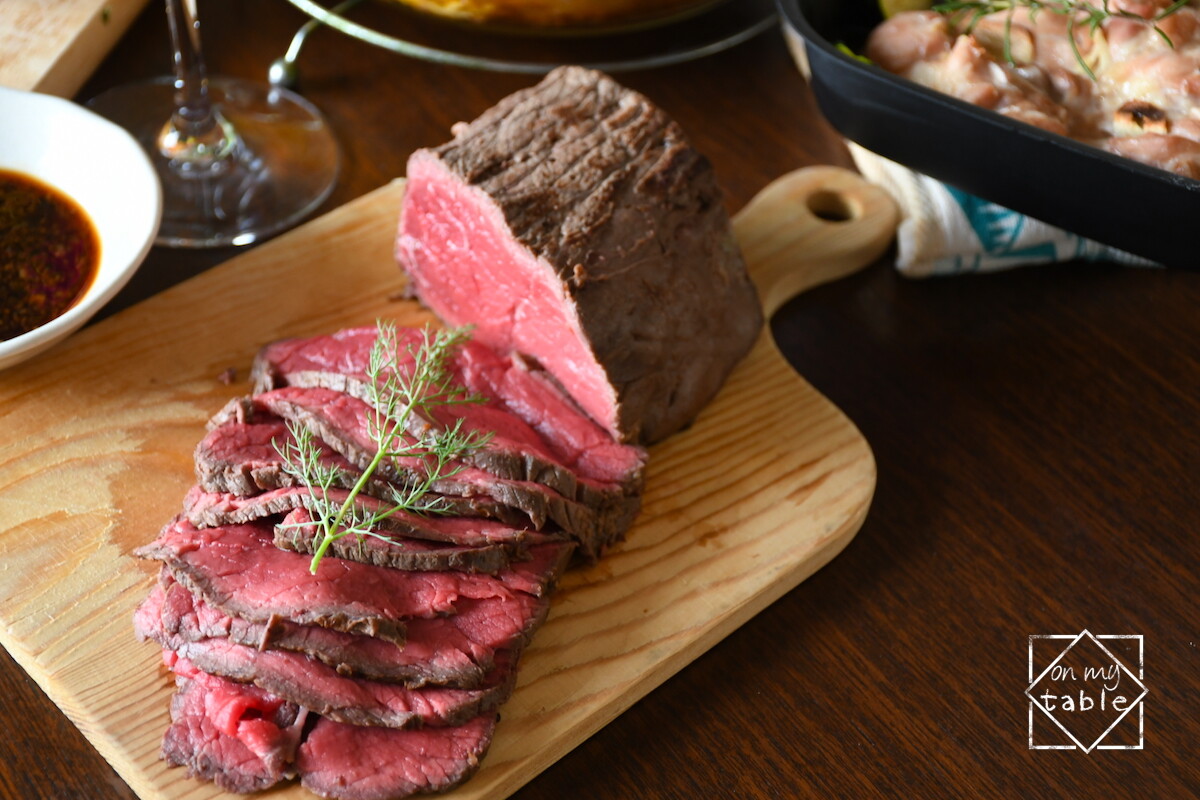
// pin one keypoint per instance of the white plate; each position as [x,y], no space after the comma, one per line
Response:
[105,171]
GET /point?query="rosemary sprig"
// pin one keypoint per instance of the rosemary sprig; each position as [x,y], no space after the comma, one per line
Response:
[1077,12]
[396,397]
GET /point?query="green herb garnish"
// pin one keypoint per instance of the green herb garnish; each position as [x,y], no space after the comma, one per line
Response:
[1077,12]
[398,398]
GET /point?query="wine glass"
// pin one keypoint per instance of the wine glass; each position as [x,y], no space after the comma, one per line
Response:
[238,160]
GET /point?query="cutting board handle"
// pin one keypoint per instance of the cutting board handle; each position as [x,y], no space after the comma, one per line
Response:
[812,226]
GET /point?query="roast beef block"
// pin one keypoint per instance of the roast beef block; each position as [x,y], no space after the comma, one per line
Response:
[239,737]
[356,763]
[238,569]
[574,223]
[317,687]
[455,650]
[539,434]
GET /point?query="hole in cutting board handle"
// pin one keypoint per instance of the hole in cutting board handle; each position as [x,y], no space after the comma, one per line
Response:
[832,206]
[811,226]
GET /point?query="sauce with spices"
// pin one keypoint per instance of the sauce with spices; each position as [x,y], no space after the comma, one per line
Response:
[49,253]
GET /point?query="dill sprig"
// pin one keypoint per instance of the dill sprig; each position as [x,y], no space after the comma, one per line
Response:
[1077,12]
[398,397]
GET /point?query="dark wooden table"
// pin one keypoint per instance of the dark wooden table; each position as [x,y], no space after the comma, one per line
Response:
[1037,434]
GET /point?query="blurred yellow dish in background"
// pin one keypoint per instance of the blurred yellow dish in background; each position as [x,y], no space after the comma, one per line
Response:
[892,7]
[560,14]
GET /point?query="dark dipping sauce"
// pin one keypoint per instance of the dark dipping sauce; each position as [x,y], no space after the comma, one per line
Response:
[49,252]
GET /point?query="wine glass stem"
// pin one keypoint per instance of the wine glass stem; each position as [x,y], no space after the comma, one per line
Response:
[197,139]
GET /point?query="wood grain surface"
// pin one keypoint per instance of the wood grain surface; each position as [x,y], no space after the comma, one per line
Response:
[52,46]
[768,485]
[1035,438]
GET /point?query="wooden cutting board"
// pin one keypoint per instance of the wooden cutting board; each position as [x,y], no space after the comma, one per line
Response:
[52,46]
[769,484]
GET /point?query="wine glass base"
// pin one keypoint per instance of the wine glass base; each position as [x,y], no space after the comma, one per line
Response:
[283,167]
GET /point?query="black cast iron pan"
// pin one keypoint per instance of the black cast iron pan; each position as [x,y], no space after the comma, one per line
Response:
[1128,205]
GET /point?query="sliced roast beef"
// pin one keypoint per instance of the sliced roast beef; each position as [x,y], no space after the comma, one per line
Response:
[355,763]
[573,222]
[240,457]
[340,422]
[313,685]
[298,533]
[456,650]
[214,509]
[539,434]
[239,737]
[245,740]
[237,569]
[392,542]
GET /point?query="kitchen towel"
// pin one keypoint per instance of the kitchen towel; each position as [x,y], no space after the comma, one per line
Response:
[944,231]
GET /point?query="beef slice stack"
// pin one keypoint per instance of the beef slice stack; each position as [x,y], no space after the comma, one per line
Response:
[380,675]
[584,240]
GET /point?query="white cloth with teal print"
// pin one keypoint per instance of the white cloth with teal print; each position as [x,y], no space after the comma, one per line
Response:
[944,231]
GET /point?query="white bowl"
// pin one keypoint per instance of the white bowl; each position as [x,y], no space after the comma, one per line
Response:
[105,171]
